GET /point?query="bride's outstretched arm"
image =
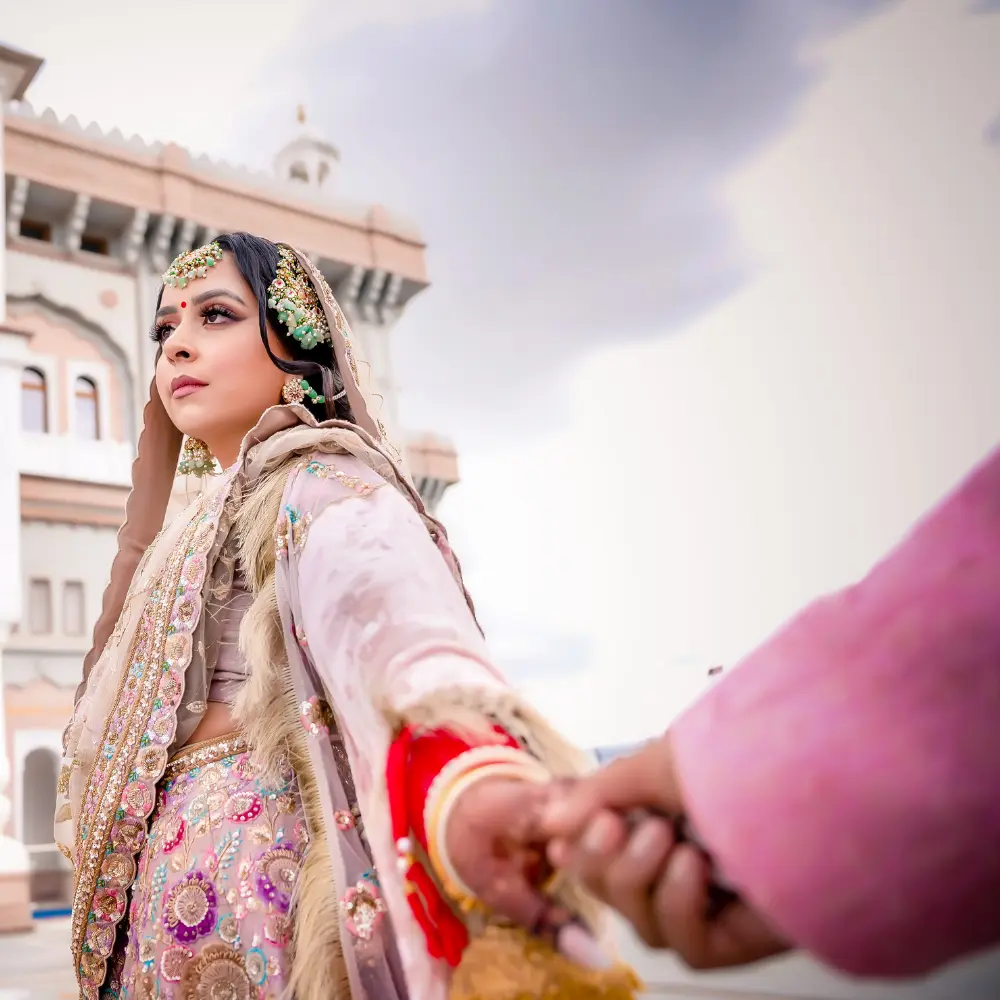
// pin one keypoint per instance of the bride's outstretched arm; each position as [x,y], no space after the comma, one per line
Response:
[398,649]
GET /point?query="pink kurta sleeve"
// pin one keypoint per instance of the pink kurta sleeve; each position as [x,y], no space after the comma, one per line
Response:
[846,777]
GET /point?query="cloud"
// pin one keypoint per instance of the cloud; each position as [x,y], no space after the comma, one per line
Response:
[776,447]
[563,160]
[185,73]
[707,397]
[193,73]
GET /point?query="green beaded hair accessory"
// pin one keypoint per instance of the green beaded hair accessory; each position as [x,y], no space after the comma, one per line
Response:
[192,264]
[293,297]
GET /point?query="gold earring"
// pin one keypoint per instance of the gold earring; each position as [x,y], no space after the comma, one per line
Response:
[292,391]
[296,389]
[196,459]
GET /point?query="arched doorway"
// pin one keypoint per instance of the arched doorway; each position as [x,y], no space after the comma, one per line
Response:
[50,876]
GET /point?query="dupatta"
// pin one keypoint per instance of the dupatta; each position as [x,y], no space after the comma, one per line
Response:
[144,680]
[132,704]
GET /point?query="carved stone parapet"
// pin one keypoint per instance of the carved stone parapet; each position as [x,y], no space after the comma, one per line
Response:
[77,222]
[15,207]
[185,237]
[371,297]
[135,236]
[159,252]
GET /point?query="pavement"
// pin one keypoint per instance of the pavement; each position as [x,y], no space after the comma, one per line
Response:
[37,965]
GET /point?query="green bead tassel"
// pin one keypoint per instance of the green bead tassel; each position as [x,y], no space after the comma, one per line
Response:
[313,395]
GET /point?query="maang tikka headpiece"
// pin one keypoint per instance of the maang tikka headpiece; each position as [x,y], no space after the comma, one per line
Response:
[291,294]
[293,297]
[192,264]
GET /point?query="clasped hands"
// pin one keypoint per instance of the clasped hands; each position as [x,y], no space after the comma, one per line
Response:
[506,838]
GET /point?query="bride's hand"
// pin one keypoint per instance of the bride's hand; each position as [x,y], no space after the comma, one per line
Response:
[495,846]
[493,843]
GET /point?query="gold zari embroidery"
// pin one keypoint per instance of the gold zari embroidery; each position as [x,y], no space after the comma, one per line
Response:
[205,752]
[120,792]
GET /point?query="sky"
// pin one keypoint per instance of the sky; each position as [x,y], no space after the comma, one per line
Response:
[712,319]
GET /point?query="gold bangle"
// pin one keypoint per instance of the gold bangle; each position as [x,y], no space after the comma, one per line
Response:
[470,760]
[525,769]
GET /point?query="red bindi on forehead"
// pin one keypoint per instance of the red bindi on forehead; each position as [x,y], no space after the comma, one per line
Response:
[183,305]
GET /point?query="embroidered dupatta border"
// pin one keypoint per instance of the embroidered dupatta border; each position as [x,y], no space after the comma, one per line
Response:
[121,787]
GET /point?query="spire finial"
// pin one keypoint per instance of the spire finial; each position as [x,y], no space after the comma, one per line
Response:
[301,114]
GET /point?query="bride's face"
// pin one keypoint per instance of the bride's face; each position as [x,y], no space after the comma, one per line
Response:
[213,373]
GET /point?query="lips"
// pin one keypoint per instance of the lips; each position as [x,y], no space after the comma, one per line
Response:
[184,385]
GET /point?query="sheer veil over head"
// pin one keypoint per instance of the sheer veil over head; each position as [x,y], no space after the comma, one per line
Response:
[154,469]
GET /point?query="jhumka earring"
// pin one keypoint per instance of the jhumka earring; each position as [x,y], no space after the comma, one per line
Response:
[295,390]
[196,459]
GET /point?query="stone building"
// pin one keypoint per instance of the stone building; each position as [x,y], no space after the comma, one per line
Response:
[90,220]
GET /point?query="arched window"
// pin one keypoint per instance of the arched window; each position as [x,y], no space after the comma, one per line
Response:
[87,421]
[34,401]
[39,795]
[298,172]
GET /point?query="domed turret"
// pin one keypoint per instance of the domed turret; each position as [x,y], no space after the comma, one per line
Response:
[308,159]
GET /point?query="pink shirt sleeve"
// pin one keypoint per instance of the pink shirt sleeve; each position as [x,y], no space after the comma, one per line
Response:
[846,776]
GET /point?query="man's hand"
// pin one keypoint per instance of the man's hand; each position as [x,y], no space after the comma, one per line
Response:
[659,886]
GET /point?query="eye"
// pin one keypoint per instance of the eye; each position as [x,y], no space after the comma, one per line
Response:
[160,332]
[213,313]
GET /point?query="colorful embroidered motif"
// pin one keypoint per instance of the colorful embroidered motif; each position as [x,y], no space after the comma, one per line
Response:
[363,909]
[120,789]
[190,910]
[277,872]
[344,820]
[222,929]
[323,471]
[219,971]
[317,716]
[291,532]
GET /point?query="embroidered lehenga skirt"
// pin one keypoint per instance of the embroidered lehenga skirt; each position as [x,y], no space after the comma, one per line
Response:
[209,914]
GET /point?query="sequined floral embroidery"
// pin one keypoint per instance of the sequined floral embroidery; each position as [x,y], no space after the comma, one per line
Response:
[291,532]
[344,820]
[363,909]
[278,929]
[277,872]
[317,716]
[322,470]
[243,807]
[210,918]
[120,788]
[172,962]
[218,973]
[190,910]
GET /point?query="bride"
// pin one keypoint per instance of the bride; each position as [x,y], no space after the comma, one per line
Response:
[292,768]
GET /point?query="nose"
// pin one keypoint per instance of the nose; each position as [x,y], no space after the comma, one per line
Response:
[179,346]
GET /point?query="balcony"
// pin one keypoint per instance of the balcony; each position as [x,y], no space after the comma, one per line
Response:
[433,466]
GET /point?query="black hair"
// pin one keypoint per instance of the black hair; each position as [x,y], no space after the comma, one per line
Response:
[257,260]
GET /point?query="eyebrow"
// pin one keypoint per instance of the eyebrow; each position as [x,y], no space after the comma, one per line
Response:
[212,293]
